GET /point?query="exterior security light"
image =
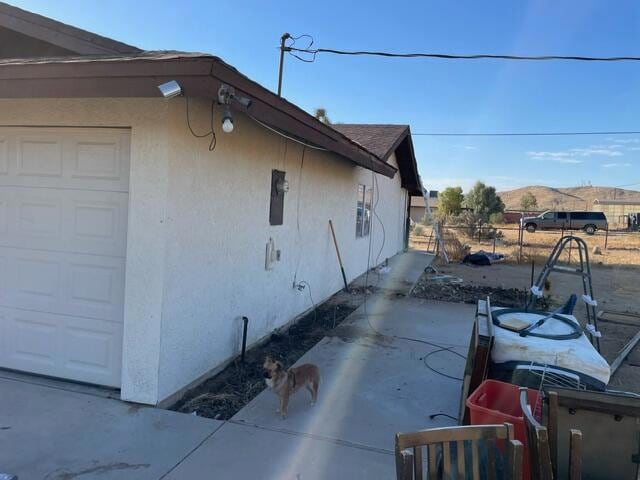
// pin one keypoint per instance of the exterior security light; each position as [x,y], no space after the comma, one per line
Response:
[227,94]
[170,89]
[244,101]
[227,120]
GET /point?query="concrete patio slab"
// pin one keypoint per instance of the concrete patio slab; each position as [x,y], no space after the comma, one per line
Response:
[53,434]
[239,452]
[373,386]
[404,271]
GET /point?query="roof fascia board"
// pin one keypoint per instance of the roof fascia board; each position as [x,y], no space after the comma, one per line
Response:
[198,76]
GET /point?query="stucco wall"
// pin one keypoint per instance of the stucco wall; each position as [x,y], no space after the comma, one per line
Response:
[197,229]
[218,227]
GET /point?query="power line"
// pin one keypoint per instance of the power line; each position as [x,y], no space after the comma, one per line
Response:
[445,56]
[522,134]
[627,185]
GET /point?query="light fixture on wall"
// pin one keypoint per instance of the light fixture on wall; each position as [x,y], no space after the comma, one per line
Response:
[227,120]
[226,94]
[170,89]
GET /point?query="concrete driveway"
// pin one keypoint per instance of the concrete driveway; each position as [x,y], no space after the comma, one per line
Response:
[49,432]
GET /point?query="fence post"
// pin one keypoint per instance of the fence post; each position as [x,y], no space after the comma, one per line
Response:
[606,237]
[520,240]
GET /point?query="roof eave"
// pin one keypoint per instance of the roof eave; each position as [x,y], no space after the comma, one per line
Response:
[199,76]
[60,34]
[412,184]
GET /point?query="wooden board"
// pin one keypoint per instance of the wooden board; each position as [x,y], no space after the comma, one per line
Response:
[478,357]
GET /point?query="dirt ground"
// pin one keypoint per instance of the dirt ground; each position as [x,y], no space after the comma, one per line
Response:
[223,395]
[615,288]
[623,248]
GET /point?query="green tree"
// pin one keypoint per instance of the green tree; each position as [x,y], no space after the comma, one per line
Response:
[321,114]
[450,201]
[483,200]
[528,201]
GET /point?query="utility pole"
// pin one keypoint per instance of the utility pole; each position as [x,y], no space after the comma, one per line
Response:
[283,48]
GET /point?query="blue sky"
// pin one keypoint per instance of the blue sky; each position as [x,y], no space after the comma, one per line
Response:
[430,95]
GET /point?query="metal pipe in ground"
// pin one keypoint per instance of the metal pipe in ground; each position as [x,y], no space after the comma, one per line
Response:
[245,321]
[335,242]
[520,240]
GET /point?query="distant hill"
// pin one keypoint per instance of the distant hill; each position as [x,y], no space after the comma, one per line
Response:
[571,198]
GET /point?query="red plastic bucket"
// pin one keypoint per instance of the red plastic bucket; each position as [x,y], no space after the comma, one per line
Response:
[495,402]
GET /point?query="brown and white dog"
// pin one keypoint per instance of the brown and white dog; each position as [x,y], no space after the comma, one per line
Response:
[286,382]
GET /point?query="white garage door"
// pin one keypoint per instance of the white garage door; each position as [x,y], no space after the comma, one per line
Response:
[63,228]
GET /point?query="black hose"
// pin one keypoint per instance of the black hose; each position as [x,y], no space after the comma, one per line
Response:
[577,329]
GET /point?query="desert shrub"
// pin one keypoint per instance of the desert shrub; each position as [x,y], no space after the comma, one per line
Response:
[496,218]
[456,250]
[419,229]
[473,227]
[426,220]
[468,223]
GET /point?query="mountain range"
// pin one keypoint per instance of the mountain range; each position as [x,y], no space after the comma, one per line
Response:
[570,198]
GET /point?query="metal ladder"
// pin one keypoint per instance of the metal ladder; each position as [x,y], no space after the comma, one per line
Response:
[583,270]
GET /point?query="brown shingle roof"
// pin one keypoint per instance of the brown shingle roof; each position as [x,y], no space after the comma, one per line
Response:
[60,34]
[381,140]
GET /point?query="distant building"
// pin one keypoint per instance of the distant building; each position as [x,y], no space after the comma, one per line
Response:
[418,210]
[514,216]
[617,211]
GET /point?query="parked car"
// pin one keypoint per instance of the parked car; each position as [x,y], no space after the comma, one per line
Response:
[590,222]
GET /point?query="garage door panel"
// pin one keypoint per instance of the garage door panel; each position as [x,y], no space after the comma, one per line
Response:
[98,222]
[39,216]
[95,289]
[4,214]
[85,349]
[73,221]
[63,227]
[63,283]
[94,159]
[31,340]
[39,156]
[92,350]
[4,155]
[97,160]
[37,280]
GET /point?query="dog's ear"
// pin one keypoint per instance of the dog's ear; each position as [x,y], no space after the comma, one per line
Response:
[268,359]
[279,366]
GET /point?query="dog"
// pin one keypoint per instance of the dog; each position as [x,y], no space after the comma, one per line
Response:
[285,383]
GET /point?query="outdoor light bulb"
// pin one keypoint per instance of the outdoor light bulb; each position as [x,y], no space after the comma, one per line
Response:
[227,125]
[227,120]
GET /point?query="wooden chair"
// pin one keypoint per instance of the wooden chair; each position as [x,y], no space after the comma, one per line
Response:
[542,443]
[575,440]
[409,452]
[537,442]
